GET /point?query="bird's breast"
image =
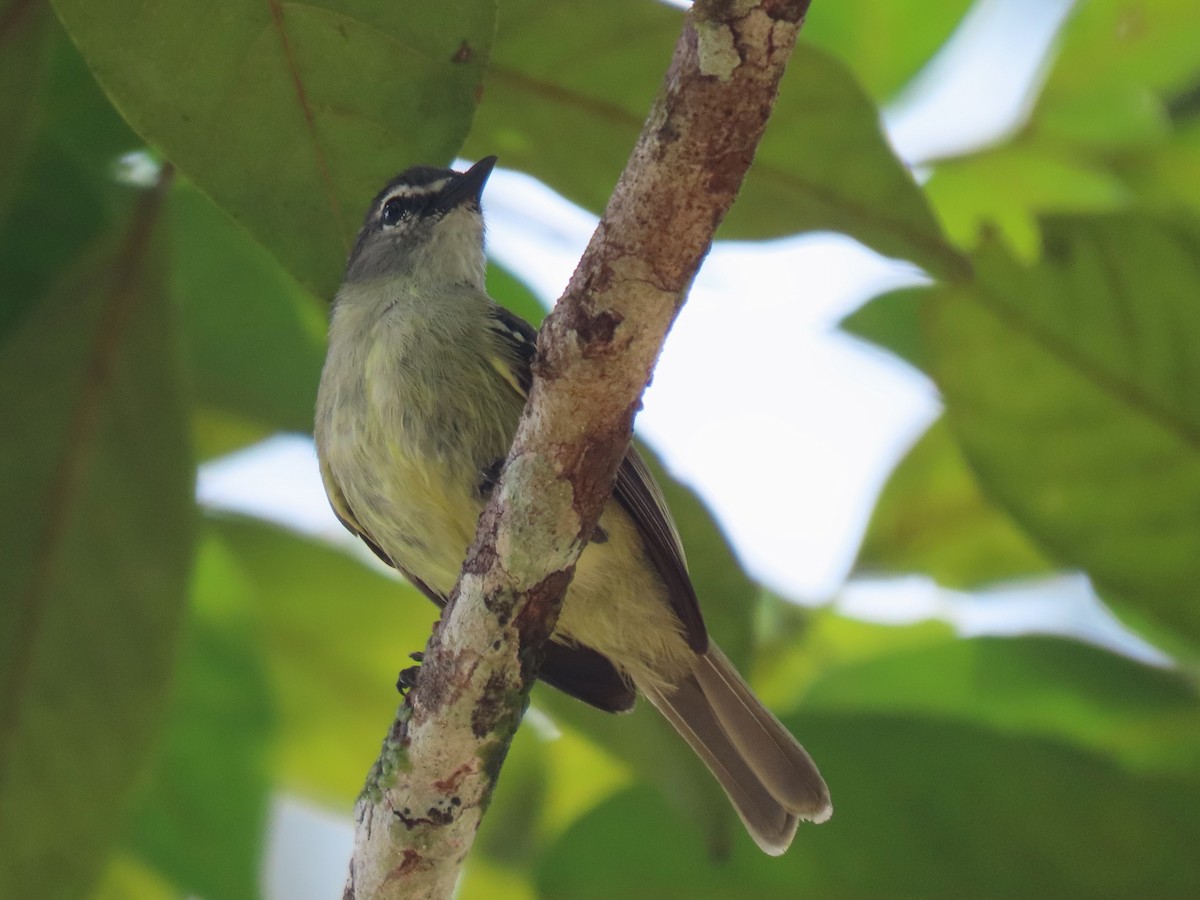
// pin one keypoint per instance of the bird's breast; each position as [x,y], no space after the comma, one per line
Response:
[415,422]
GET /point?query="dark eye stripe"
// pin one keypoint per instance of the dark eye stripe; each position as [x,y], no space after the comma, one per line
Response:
[399,207]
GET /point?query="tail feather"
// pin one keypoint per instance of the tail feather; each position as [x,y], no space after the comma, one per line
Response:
[689,712]
[785,768]
[770,779]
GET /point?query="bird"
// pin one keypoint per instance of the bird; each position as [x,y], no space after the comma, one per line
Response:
[423,385]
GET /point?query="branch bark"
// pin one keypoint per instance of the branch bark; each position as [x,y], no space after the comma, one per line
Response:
[426,795]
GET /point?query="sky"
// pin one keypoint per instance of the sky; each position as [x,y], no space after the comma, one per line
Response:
[787,428]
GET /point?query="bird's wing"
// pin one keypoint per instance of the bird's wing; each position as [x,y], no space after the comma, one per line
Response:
[345,515]
[635,489]
[576,670]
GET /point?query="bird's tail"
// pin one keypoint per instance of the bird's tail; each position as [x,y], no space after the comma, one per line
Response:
[770,779]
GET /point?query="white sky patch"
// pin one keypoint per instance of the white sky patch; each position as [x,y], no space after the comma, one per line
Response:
[981,85]
[1061,605]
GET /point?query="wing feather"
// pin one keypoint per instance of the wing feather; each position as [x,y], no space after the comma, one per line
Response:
[635,490]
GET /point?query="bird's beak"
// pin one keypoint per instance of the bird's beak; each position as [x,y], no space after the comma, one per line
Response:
[468,187]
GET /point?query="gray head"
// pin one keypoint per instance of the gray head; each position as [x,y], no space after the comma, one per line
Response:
[425,225]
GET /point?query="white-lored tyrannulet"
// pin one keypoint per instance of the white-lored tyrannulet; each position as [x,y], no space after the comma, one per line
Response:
[422,389]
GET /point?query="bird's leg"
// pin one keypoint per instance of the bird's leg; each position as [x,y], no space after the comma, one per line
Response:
[407,679]
[488,476]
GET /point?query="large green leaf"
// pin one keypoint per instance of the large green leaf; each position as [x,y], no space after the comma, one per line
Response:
[1006,188]
[1071,386]
[291,116]
[201,818]
[1100,136]
[824,163]
[1148,718]
[23,51]
[128,878]
[335,634]
[853,31]
[1167,176]
[1116,62]
[568,88]
[933,518]
[98,511]
[591,71]
[255,339]
[892,321]
[923,808]
[64,196]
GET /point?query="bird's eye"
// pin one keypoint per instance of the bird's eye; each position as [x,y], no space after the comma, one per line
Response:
[396,209]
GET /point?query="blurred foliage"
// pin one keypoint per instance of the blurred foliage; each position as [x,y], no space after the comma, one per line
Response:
[161,679]
[591,70]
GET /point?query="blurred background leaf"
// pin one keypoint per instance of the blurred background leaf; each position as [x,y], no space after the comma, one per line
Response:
[255,340]
[1069,384]
[200,819]
[951,762]
[253,102]
[330,695]
[25,30]
[852,30]
[95,579]
[591,71]
[933,518]
[926,808]
[1109,128]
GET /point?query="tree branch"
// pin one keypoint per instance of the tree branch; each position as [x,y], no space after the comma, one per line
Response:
[425,797]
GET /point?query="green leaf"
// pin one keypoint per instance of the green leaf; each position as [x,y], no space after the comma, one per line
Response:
[291,116]
[510,292]
[852,31]
[568,88]
[127,878]
[201,819]
[591,71]
[1100,135]
[255,339]
[65,197]
[892,321]
[23,46]
[1006,188]
[1145,717]
[1071,386]
[797,645]
[824,163]
[1167,176]
[335,634]
[933,518]
[97,500]
[1112,47]
[922,809]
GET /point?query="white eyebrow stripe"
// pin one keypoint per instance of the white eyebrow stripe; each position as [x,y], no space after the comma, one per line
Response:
[417,190]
